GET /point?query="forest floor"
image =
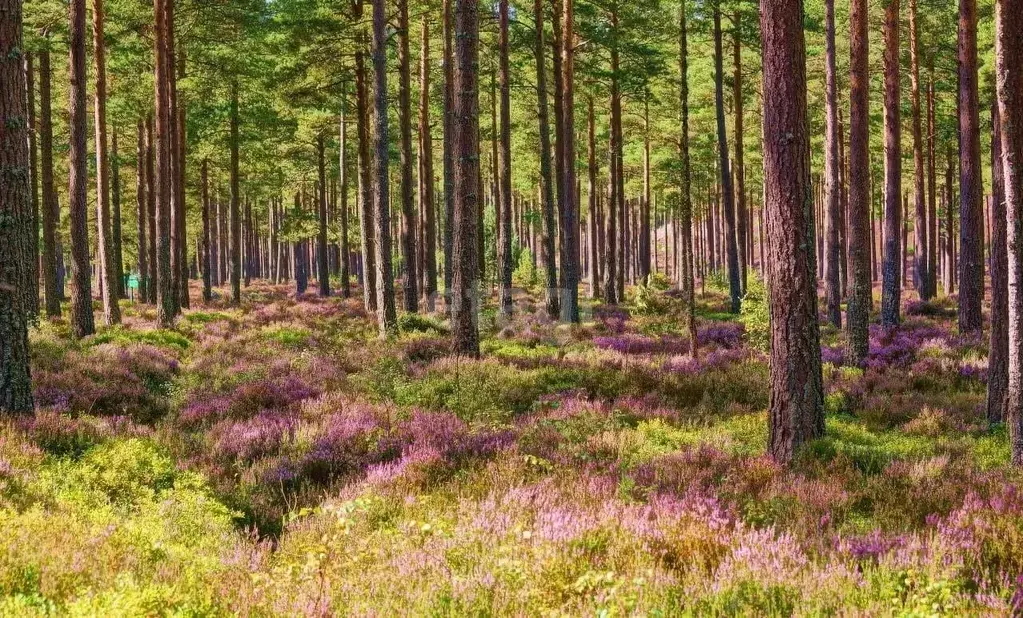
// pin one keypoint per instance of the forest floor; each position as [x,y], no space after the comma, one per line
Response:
[279,459]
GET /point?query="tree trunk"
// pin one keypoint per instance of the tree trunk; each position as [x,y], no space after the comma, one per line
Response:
[151,205]
[408,213]
[16,205]
[921,270]
[644,207]
[739,169]
[177,61]
[971,193]
[105,241]
[236,223]
[51,207]
[569,201]
[832,184]
[163,176]
[386,316]
[366,219]
[504,184]
[449,160]
[426,204]
[322,267]
[950,247]
[998,360]
[593,191]
[31,273]
[797,398]
[82,323]
[891,284]
[465,124]
[115,222]
[141,212]
[550,230]
[734,287]
[1008,51]
[932,194]
[345,249]
[858,310]
[207,262]
[686,276]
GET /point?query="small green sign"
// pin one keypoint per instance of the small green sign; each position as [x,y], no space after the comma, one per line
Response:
[133,282]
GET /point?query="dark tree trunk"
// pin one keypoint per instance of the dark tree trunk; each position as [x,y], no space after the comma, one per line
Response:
[142,212]
[346,252]
[644,206]
[550,230]
[593,190]
[236,222]
[739,170]
[151,205]
[408,213]
[105,241]
[504,197]
[932,195]
[426,204]
[16,207]
[207,262]
[465,153]
[177,71]
[832,183]
[31,289]
[449,157]
[998,360]
[51,207]
[163,176]
[971,192]
[322,267]
[366,218]
[950,247]
[115,223]
[301,255]
[728,204]
[686,274]
[797,398]
[891,284]
[612,279]
[921,270]
[82,321]
[386,316]
[1009,50]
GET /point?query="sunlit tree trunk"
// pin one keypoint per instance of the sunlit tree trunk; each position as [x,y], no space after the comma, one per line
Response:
[465,281]
[16,206]
[971,183]
[998,359]
[569,201]
[410,293]
[50,205]
[207,262]
[82,323]
[1008,53]
[449,162]
[550,230]
[891,284]
[687,265]
[426,204]
[31,272]
[236,224]
[832,184]
[504,169]
[921,276]
[738,167]
[346,253]
[386,315]
[105,240]
[141,212]
[797,399]
[366,218]
[858,311]
[728,204]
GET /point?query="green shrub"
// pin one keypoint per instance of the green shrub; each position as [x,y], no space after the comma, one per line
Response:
[756,315]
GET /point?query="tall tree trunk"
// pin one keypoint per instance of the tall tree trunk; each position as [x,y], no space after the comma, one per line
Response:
[644,207]
[950,247]
[739,170]
[51,207]
[105,241]
[1008,51]
[504,197]
[141,212]
[31,289]
[858,310]
[998,361]
[797,398]
[734,287]
[115,222]
[366,218]
[932,194]
[236,223]
[891,284]
[82,322]
[322,267]
[569,201]
[449,157]
[346,252]
[177,60]
[386,315]
[686,274]
[426,205]
[16,208]
[921,277]
[207,262]
[594,192]
[151,205]
[465,298]
[408,212]
[971,192]
[832,184]
[163,174]
[550,230]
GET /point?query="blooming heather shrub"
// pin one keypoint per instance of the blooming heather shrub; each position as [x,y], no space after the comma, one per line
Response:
[721,334]
[611,319]
[988,533]
[63,435]
[109,379]
[424,348]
